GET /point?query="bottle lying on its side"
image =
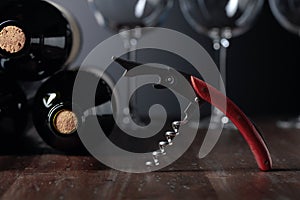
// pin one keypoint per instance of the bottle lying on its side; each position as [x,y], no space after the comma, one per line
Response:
[58,118]
[13,114]
[37,38]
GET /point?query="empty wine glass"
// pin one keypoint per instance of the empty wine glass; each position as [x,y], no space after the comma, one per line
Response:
[128,17]
[287,13]
[221,20]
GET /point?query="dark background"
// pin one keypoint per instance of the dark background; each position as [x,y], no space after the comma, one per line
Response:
[262,65]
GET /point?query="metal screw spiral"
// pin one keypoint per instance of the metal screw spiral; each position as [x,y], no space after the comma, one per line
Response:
[169,135]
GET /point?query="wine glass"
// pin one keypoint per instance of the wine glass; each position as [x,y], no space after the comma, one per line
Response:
[128,17]
[287,13]
[221,20]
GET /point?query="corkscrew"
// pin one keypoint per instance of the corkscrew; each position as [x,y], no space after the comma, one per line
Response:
[170,136]
[202,93]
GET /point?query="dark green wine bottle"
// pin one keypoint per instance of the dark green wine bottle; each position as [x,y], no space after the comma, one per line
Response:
[57,117]
[37,38]
[13,114]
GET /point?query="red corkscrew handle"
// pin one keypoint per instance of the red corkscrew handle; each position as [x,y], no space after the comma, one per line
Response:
[239,119]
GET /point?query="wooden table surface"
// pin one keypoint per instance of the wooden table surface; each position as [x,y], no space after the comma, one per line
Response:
[228,172]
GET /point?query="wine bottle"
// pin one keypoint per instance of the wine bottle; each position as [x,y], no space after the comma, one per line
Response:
[13,114]
[37,38]
[57,117]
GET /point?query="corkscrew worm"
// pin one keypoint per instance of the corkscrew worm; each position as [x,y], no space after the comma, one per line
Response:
[204,92]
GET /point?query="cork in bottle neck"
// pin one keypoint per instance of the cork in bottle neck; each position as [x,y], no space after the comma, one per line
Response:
[65,122]
[12,39]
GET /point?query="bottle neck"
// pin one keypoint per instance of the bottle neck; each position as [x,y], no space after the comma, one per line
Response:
[63,120]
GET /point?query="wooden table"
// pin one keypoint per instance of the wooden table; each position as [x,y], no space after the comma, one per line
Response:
[228,172]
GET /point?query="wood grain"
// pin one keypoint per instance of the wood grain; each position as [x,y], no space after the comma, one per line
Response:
[228,172]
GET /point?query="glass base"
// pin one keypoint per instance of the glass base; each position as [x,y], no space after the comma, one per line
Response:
[289,123]
[217,120]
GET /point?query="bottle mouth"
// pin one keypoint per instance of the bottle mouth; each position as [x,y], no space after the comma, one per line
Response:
[13,38]
[65,122]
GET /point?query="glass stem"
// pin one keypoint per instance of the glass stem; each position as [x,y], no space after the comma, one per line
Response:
[223,60]
[130,38]
[132,56]
[220,46]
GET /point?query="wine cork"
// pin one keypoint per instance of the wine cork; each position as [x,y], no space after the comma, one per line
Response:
[66,122]
[12,39]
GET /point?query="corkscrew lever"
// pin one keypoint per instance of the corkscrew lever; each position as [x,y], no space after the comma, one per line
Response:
[204,91]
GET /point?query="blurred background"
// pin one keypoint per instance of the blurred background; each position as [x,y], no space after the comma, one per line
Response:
[262,64]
